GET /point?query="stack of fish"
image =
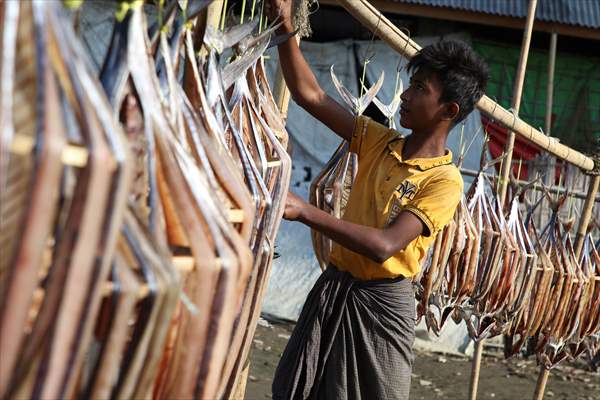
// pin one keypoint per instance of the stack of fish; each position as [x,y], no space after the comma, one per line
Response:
[570,309]
[64,204]
[139,231]
[504,276]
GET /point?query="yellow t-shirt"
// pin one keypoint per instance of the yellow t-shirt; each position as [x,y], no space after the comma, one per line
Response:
[385,185]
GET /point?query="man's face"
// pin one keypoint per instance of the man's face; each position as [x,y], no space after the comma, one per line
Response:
[421,109]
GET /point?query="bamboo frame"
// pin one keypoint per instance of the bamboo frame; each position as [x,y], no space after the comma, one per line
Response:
[369,16]
[536,187]
[516,99]
[72,155]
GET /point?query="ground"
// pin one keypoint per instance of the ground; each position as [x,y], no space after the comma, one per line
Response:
[438,376]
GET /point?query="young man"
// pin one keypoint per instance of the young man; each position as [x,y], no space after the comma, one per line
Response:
[355,333]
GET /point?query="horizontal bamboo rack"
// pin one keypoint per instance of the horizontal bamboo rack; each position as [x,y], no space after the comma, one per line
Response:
[372,19]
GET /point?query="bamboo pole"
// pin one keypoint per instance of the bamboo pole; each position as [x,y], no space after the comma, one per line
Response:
[368,16]
[282,93]
[516,99]
[550,85]
[213,14]
[536,187]
[540,387]
[586,216]
[475,368]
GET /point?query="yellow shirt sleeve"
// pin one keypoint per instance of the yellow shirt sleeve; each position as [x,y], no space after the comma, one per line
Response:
[435,203]
[369,135]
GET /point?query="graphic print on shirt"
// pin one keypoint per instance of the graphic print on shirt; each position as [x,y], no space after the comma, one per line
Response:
[406,190]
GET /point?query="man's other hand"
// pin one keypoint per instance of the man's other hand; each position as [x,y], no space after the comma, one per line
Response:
[294,206]
[282,9]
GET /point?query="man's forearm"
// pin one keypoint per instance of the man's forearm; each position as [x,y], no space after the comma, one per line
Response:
[364,240]
[299,78]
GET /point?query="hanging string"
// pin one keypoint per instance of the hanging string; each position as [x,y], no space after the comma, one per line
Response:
[72,4]
[243,12]
[124,7]
[161,5]
[262,15]
[252,9]
[499,180]
[184,10]
[369,56]
[223,14]
[399,66]
[560,178]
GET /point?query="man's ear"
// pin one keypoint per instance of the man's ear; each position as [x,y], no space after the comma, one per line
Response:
[451,111]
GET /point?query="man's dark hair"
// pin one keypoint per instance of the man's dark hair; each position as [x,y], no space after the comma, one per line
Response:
[462,73]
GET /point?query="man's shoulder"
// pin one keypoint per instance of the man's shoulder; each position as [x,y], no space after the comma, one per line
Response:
[447,173]
[370,125]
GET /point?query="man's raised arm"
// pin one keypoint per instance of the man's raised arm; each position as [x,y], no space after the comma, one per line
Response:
[303,86]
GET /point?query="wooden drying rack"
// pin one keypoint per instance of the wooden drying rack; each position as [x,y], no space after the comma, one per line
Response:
[183,264]
[77,156]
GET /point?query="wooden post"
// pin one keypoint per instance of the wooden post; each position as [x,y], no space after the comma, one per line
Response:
[372,19]
[586,215]
[516,99]
[475,368]
[549,178]
[541,383]
[550,85]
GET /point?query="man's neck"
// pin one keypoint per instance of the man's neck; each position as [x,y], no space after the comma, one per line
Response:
[425,145]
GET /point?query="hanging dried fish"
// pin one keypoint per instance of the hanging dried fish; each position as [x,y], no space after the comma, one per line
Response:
[389,110]
[357,104]
[71,293]
[479,315]
[26,225]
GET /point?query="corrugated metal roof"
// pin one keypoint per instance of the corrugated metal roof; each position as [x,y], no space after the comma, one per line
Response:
[571,12]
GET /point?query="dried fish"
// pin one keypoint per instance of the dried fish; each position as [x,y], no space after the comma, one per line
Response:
[209,181]
[357,104]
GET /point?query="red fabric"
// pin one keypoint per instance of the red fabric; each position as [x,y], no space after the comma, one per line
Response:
[523,150]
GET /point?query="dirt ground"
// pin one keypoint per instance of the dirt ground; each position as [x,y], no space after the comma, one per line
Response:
[438,376]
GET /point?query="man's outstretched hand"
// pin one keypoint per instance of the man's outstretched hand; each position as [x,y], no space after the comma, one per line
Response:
[281,9]
[294,207]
